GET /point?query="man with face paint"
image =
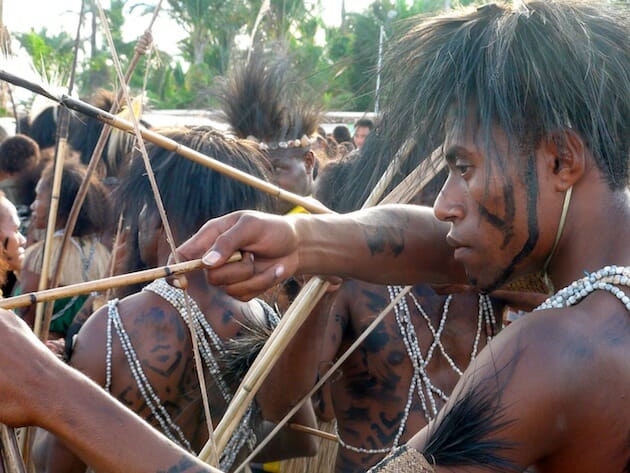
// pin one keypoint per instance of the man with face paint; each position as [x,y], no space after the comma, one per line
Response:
[530,106]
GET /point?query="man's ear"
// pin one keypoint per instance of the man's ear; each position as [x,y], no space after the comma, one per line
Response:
[309,161]
[565,156]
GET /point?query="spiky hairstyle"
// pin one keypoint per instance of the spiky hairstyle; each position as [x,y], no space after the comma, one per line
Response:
[531,68]
[261,98]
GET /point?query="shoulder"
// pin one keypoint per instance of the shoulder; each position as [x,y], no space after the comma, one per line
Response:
[514,387]
[539,364]
[88,354]
[141,314]
[575,341]
[360,294]
[538,384]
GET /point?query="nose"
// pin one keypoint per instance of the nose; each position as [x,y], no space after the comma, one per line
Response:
[22,239]
[448,206]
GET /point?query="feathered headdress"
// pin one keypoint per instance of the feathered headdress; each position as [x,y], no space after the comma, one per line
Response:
[262,103]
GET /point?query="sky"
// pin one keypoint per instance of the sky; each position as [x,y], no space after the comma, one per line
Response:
[61,15]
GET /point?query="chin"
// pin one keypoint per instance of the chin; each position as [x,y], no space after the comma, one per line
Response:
[482,281]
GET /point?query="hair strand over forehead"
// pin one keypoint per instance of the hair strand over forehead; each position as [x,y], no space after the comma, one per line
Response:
[532,69]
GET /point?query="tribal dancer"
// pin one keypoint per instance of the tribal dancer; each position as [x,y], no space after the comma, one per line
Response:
[262,103]
[530,104]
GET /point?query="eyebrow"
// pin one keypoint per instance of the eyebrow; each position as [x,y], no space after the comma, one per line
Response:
[452,152]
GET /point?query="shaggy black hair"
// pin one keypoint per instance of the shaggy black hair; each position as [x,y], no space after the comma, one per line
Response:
[95,212]
[43,128]
[531,68]
[18,153]
[330,186]
[192,193]
[345,185]
[84,130]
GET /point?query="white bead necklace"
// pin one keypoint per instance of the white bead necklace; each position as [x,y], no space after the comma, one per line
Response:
[605,279]
[420,380]
[169,428]
[203,331]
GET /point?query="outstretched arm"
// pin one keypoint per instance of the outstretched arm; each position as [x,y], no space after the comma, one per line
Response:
[390,244]
[38,389]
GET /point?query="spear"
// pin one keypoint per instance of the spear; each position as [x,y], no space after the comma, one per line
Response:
[60,151]
[99,285]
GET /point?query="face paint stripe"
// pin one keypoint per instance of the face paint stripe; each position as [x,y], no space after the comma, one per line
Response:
[531,184]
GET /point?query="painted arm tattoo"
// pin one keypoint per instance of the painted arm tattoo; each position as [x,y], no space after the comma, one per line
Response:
[382,239]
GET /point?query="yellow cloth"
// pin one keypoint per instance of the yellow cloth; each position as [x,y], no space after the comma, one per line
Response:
[298,209]
[272,467]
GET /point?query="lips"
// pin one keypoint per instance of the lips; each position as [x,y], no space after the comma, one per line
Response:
[459,248]
[454,242]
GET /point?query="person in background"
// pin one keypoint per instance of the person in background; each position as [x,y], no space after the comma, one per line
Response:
[12,246]
[149,360]
[20,169]
[86,258]
[362,128]
[262,105]
[341,134]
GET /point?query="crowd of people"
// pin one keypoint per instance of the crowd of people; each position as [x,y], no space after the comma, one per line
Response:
[528,105]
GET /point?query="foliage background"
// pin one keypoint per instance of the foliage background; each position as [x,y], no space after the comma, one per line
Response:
[337,63]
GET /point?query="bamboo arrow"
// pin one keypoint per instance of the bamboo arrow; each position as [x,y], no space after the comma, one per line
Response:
[106,283]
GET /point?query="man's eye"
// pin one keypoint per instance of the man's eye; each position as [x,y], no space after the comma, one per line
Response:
[462,167]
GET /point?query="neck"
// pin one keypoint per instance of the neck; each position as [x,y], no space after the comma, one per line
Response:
[592,238]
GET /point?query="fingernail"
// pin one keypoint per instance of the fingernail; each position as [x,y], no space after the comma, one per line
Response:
[279,271]
[211,258]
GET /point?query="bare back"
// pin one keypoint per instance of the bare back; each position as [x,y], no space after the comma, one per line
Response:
[372,395]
